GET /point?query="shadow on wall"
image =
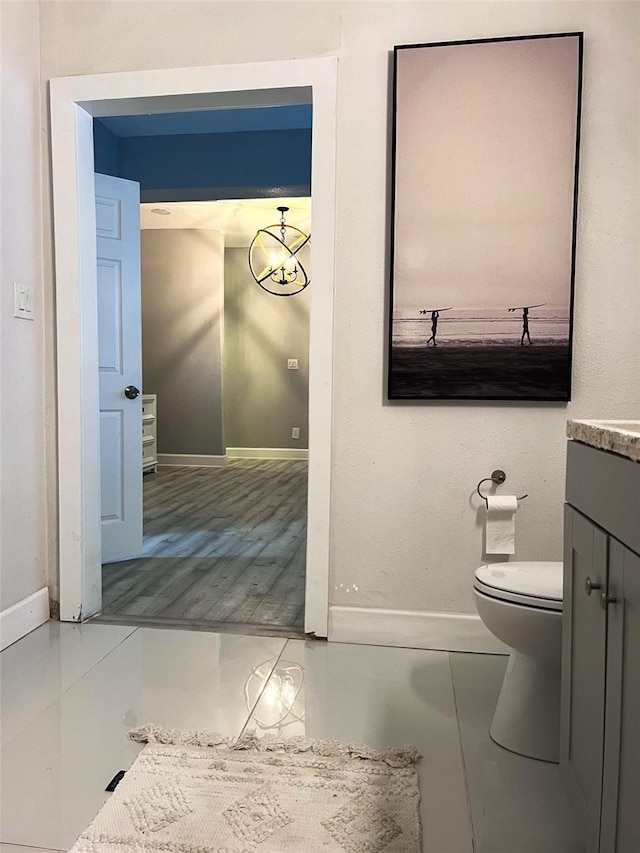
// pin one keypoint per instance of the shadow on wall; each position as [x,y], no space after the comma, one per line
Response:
[182,303]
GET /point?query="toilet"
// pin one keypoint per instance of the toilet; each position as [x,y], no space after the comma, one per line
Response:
[521,604]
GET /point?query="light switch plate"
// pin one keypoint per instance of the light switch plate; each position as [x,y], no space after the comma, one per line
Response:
[292,364]
[22,301]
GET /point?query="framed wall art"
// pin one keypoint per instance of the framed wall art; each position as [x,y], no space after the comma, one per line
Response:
[485,174]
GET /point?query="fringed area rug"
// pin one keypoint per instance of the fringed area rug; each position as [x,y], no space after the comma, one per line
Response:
[200,793]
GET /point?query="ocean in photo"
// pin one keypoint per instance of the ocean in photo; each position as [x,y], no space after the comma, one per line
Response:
[476,326]
[479,356]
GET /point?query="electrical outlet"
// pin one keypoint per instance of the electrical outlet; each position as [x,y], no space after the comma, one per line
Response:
[295,432]
[292,364]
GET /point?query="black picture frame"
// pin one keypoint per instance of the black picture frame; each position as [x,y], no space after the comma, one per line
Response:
[484,200]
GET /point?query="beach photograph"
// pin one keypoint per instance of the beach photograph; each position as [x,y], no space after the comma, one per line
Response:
[484,195]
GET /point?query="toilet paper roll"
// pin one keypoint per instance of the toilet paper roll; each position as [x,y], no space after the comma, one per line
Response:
[501,524]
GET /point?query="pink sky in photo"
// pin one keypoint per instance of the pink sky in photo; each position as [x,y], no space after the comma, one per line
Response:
[485,153]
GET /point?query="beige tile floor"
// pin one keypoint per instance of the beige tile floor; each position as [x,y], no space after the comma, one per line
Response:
[69,694]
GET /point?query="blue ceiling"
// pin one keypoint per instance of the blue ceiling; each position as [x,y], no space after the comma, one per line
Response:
[294,117]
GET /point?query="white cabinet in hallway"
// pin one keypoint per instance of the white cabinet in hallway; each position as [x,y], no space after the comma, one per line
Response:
[149,433]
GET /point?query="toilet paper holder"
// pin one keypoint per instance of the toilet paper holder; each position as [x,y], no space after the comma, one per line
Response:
[498,477]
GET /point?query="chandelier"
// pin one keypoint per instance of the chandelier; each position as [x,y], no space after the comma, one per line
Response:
[274,258]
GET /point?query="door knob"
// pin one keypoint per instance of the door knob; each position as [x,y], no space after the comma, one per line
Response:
[589,586]
[131,392]
[606,600]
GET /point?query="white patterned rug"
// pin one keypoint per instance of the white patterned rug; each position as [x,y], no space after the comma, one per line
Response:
[198,793]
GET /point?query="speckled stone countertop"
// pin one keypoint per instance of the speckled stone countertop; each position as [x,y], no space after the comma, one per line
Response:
[621,437]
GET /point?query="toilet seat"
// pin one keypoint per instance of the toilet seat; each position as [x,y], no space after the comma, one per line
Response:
[531,584]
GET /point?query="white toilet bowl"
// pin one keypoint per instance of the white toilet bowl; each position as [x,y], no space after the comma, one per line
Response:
[521,604]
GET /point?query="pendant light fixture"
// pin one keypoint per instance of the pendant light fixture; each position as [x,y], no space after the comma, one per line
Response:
[274,258]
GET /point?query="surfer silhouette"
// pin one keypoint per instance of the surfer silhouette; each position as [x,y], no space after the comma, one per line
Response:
[525,327]
[434,328]
[525,320]
[435,314]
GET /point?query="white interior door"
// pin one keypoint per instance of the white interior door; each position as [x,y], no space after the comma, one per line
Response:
[120,366]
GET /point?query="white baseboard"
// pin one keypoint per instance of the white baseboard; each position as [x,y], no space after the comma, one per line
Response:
[191,459]
[267,453]
[453,632]
[23,617]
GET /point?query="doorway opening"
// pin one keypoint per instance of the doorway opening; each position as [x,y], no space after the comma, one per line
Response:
[225,485]
[74,103]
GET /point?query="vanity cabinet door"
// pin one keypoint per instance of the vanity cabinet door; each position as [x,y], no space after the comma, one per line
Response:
[620,831]
[584,627]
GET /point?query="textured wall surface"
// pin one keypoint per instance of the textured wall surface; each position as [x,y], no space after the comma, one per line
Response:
[182,298]
[405,522]
[263,400]
[22,462]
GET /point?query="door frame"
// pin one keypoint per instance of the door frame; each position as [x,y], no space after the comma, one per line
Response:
[75,101]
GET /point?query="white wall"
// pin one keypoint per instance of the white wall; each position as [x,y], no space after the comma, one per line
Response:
[405,526]
[22,477]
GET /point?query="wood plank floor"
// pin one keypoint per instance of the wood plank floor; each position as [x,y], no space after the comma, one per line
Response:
[223,547]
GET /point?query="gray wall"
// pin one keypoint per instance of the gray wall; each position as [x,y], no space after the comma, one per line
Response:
[263,400]
[182,301]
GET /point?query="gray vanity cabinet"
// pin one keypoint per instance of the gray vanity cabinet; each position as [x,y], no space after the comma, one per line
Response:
[620,829]
[584,650]
[600,717]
